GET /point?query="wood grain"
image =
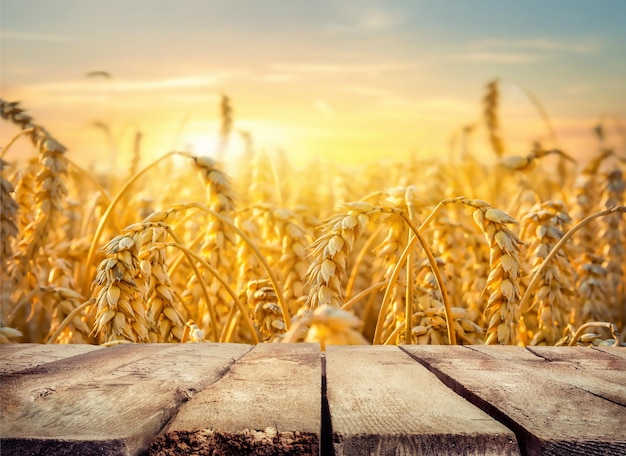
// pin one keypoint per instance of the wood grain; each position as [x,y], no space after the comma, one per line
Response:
[594,363]
[383,402]
[553,407]
[226,399]
[614,351]
[110,401]
[268,403]
[16,357]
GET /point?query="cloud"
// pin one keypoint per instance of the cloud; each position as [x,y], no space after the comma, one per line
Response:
[499,50]
[438,105]
[324,108]
[363,19]
[278,77]
[367,91]
[335,68]
[146,85]
[377,20]
[26,36]
[537,44]
[445,104]
[497,57]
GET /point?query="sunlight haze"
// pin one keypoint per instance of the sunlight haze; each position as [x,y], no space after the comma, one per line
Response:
[349,81]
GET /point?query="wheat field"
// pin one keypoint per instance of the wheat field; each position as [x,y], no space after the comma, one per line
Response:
[525,250]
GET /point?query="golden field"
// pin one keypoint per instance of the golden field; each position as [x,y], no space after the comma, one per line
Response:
[522,250]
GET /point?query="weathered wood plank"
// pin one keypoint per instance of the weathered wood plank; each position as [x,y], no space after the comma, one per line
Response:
[109,401]
[553,407]
[268,403]
[615,351]
[598,374]
[383,402]
[6,349]
[592,362]
[16,357]
[507,353]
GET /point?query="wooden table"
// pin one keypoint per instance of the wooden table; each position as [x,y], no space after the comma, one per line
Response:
[231,399]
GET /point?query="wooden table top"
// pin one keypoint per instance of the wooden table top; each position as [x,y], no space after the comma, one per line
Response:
[231,399]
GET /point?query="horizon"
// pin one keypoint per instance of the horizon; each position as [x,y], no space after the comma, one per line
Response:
[350,82]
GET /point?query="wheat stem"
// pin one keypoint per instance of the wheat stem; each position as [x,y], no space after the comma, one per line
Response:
[359,259]
[357,297]
[68,319]
[539,272]
[105,217]
[437,272]
[4,150]
[188,253]
[390,340]
[220,279]
[256,251]
[591,324]
[27,299]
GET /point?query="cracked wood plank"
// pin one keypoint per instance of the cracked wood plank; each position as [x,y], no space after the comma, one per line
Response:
[615,351]
[268,403]
[594,363]
[383,402]
[16,357]
[554,407]
[111,401]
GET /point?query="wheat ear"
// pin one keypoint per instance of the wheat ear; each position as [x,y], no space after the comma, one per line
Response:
[107,213]
[503,282]
[537,275]
[490,115]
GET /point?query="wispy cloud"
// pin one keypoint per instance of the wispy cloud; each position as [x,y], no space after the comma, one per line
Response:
[324,108]
[340,67]
[497,57]
[585,46]
[26,36]
[167,84]
[278,77]
[362,19]
[367,91]
[500,50]
[438,105]
[378,19]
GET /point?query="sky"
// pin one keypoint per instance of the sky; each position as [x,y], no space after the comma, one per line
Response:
[349,81]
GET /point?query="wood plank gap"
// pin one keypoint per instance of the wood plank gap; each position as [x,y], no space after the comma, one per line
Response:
[268,403]
[190,393]
[326,432]
[382,402]
[522,435]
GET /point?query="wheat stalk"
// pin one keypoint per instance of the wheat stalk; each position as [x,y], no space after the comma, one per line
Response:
[503,282]
[613,236]
[8,218]
[545,225]
[162,312]
[490,116]
[121,299]
[546,262]
[331,252]
[107,213]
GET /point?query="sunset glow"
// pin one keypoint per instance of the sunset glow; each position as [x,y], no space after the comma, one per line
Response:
[344,81]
